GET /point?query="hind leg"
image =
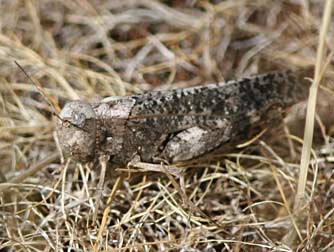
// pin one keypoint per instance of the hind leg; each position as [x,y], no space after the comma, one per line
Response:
[194,142]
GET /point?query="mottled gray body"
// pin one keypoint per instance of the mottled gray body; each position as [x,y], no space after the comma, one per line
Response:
[180,124]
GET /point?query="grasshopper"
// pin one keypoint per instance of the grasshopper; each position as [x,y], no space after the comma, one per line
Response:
[180,124]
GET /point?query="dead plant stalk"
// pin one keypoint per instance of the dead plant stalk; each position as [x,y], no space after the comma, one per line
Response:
[300,198]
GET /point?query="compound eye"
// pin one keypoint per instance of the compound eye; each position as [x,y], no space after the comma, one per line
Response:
[80,119]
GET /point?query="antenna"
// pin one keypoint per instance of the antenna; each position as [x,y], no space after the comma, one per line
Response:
[53,106]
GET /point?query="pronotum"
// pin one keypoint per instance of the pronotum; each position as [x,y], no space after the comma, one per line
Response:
[180,124]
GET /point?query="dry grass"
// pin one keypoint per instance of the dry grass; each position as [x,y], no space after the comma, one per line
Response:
[239,201]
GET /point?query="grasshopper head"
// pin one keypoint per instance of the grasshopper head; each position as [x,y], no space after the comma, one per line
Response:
[76,129]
